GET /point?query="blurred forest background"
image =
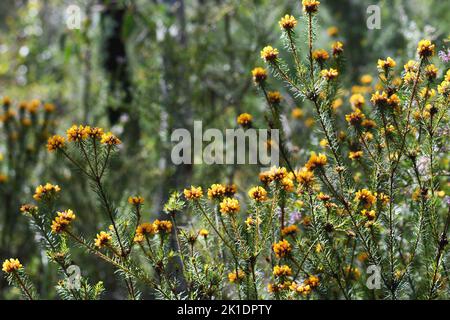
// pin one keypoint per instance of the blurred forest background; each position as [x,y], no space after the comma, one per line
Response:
[146,67]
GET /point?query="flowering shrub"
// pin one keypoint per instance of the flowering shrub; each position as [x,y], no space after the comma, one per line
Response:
[309,230]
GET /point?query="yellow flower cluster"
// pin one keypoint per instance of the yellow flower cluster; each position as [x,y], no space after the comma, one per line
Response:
[77,133]
[62,221]
[110,139]
[305,177]
[258,194]
[387,64]
[11,265]
[194,193]
[282,248]
[55,142]
[274,97]
[310,6]
[329,74]
[46,191]
[337,48]
[369,214]
[357,100]
[244,119]
[149,229]
[425,48]
[103,238]
[288,22]
[289,230]
[143,230]
[216,191]
[316,161]
[259,75]
[282,271]
[236,276]
[203,233]
[269,54]
[355,118]
[355,155]
[229,206]
[366,198]
[320,55]
[136,200]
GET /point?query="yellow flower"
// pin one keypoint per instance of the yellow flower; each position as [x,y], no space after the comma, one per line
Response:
[394,101]
[274,97]
[28,208]
[312,281]
[259,75]
[216,191]
[95,132]
[6,101]
[278,173]
[3,178]
[203,232]
[333,31]
[287,184]
[45,191]
[77,133]
[329,74]
[305,177]
[431,72]
[11,265]
[337,48]
[49,107]
[194,193]
[56,142]
[244,119]
[337,103]
[316,161]
[102,239]
[110,139]
[365,197]
[309,122]
[288,22]
[366,79]
[230,190]
[282,271]
[310,6]
[33,106]
[282,248]
[320,55]
[297,113]
[323,143]
[384,65]
[136,200]
[266,177]
[411,66]
[236,276]
[369,214]
[444,88]
[164,226]
[229,206]
[447,75]
[144,229]
[269,54]
[354,155]
[369,124]
[379,99]
[323,197]
[289,230]
[357,100]
[62,221]
[355,118]
[425,48]
[258,194]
